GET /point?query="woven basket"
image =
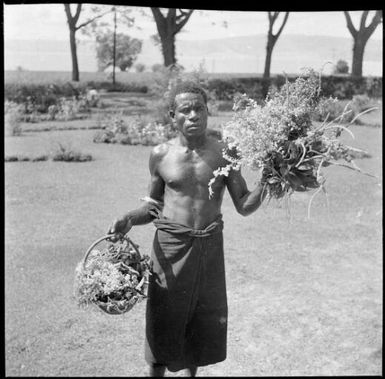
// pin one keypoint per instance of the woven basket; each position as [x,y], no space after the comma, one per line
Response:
[118,307]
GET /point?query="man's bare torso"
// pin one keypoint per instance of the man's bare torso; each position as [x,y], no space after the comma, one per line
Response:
[186,174]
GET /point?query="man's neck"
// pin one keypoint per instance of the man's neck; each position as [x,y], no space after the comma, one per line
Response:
[192,143]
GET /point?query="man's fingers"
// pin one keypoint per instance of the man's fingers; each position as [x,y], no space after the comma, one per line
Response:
[118,234]
[112,231]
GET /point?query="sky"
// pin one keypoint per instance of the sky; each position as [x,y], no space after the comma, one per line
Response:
[48,21]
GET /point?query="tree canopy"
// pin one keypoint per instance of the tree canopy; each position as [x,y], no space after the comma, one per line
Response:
[127,50]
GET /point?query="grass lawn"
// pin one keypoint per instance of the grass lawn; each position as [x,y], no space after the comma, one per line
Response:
[305,296]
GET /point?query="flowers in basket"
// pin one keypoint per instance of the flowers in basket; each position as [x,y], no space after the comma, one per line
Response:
[114,278]
[281,138]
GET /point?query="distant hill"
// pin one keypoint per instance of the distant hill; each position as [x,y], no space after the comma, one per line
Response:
[232,55]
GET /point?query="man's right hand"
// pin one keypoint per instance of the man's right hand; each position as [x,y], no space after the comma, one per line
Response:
[119,228]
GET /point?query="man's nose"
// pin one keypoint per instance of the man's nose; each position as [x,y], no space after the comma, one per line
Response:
[193,115]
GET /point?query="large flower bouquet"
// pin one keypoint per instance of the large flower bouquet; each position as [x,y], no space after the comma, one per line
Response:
[281,138]
[114,278]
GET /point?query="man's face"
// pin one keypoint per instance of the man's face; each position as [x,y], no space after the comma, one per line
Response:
[190,115]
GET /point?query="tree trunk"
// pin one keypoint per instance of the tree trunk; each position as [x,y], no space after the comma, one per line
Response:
[269,53]
[358,57]
[168,50]
[74,56]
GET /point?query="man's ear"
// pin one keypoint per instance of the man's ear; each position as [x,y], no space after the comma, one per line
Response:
[171,114]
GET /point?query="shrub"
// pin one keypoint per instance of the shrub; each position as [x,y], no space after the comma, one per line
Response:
[163,80]
[52,101]
[361,102]
[140,67]
[71,109]
[153,133]
[12,116]
[38,97]
[66,154]
[341,67]
[133,131]
[22,158]
[40,158]
[157,67]
[16,158]
[343,87]
[373,86]
[331,108]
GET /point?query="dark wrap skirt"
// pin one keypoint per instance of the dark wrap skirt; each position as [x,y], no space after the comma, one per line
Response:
[186,314]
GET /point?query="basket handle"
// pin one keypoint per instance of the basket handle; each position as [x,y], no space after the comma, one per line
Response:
[104,238]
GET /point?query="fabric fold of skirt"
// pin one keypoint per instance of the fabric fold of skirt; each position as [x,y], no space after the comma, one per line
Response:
[186,314]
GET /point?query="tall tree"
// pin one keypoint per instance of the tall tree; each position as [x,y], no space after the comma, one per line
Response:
[72,20]
[272,39]
[169,26]
[361,37]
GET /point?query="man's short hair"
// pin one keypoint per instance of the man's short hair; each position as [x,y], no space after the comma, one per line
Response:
[186,86]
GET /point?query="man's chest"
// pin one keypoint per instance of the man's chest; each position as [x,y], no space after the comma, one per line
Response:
[188,169]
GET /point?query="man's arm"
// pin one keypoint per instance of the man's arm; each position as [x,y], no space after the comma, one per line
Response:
[245,202]
[152,204]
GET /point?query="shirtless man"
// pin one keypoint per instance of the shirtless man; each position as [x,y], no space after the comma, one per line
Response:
[186,314]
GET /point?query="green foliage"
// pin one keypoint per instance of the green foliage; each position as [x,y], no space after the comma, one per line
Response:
[341,67]
[280,138]
[127,50]
[257,88]
[69,109]
[38,98]
[140,67]
[12,116]
[373,86]
[133,131]
[342,87]
[331,108]
[164,79]
[16,158]
[67,154]
[157,67]
[22,158]
[41,96]
[361,102]
[48,101]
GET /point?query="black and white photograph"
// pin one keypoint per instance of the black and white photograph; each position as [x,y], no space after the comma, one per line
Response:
[192,191]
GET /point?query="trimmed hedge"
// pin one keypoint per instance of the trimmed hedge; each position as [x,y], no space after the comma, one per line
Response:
[342,87]
[39,97]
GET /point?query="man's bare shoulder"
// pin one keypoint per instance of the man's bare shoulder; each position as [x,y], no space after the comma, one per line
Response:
[160,151]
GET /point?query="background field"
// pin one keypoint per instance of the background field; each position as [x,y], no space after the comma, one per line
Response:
[305,296]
